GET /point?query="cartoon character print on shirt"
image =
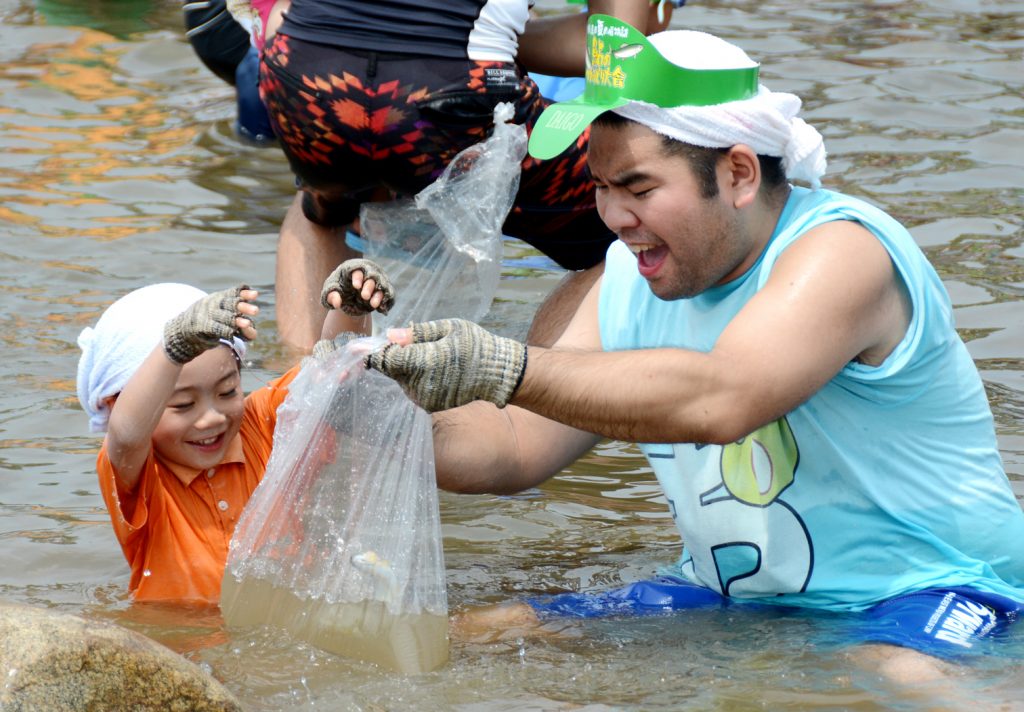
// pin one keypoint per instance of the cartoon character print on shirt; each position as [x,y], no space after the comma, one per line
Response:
[742,538]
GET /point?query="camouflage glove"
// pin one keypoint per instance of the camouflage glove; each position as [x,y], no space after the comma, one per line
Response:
[452,362]
[352,302]
[203,325]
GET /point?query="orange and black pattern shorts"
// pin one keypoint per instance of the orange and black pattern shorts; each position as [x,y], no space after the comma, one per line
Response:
[353,121]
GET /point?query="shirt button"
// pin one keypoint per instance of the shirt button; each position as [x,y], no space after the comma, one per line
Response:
[210,472]
[222,506]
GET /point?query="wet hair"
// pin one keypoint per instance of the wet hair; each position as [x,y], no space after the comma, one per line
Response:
[704,161]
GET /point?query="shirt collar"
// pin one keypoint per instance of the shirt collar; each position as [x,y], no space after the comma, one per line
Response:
[186,474]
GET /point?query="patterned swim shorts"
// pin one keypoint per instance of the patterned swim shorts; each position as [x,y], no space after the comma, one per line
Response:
[352,121]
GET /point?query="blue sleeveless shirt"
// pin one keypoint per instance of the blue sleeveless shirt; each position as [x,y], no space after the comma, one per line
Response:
[888,480]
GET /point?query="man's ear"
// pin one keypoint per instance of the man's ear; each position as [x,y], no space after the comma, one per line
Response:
[743,178]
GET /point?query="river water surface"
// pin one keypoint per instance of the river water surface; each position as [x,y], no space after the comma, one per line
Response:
[119,168]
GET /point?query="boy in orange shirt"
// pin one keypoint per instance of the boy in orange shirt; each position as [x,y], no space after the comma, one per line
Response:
[184,449]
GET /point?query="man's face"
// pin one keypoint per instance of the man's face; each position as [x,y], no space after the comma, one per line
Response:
[204,413]
[684,243]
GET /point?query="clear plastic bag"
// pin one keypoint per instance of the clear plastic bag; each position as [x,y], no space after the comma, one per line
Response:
[442,250]
[341,542]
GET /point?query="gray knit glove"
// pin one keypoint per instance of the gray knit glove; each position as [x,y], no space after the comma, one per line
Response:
[352,302]
[323,348]
[452,362]
[203,325]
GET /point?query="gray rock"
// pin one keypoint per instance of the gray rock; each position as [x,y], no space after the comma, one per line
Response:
[53,662]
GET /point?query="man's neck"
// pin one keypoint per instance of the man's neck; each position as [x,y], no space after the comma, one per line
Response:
[759,222]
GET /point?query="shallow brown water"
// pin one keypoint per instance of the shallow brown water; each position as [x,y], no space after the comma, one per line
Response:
[119,168]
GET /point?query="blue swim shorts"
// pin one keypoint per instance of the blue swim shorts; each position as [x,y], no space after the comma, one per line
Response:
[948,623]
[662,594]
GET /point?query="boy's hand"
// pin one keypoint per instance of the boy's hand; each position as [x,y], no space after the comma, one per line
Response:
[203,325]
[357,287]
[452,362]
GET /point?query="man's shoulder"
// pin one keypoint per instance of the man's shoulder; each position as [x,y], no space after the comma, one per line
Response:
[826,212]
[805,202]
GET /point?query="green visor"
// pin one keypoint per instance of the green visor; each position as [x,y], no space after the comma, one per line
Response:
[623,66]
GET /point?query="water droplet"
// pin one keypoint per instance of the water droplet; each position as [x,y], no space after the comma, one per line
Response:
[237,651]
[147,572]
[206,667]
[12,672]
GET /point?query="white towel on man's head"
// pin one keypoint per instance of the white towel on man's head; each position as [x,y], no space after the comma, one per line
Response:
[126,333]
[767,122]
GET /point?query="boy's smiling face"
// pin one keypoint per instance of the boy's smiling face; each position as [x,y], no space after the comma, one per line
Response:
[204,413]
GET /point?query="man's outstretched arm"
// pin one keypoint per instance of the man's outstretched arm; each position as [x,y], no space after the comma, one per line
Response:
[833,297]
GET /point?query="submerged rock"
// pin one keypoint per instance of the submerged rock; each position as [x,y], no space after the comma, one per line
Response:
[56,661]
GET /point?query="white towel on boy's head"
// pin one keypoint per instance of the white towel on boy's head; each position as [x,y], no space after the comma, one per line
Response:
[126,333]
[767,122]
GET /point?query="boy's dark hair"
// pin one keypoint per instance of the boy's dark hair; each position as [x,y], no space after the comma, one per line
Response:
[704,160]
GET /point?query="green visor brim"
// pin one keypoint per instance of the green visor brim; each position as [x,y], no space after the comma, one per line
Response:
[562,123]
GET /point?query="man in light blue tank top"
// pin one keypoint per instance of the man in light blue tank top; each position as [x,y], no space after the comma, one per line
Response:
[785,356]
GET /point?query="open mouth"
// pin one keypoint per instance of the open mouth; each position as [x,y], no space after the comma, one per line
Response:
[210,444]
[649,259]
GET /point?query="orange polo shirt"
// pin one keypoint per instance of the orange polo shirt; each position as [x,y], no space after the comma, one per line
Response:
[175,527]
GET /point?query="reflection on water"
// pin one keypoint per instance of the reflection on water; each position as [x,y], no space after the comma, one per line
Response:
[119,168]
